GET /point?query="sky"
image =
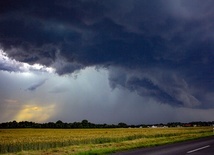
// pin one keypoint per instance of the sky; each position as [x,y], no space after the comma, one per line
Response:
[107,61]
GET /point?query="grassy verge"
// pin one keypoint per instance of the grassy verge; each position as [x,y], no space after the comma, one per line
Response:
[92,141]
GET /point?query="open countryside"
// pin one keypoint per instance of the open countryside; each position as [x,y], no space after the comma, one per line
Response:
[93,141]
[136,63]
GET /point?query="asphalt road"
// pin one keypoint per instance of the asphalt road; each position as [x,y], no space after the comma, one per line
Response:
[204,146]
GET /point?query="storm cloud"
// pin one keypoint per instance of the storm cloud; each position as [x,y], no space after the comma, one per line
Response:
[161,49]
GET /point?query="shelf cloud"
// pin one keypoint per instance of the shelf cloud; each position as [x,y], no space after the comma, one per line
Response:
[159,49]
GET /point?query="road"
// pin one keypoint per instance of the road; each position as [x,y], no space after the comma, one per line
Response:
[204,146]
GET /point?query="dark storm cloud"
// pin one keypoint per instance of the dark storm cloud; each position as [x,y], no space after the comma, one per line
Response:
[168,36]
[148,88]
[161,85]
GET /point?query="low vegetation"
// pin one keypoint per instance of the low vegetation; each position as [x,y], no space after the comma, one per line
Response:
[86,124]
[92,141]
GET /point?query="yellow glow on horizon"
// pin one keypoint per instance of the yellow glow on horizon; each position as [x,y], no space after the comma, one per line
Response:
[35,113]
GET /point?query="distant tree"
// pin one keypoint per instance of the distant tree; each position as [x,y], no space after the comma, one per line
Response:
[122,125]
[59,124]
[85,123]
[14,124]
[52,124]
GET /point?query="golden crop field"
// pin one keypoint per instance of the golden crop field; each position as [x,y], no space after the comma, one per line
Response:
[74,141]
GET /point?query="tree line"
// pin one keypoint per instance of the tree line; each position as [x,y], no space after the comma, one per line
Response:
[86,124]
[59,124]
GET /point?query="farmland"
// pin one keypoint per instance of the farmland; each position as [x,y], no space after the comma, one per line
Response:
[99,141]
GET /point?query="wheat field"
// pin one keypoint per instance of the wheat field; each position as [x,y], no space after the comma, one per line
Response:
[77,141]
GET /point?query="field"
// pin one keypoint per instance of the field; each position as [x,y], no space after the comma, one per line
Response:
[92,141]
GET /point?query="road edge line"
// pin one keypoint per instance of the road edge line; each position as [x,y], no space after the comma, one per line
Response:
[201,148]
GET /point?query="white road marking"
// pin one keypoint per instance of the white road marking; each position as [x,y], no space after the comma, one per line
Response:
[201,148]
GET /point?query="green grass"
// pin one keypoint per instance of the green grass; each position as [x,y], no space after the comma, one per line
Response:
[92,141]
